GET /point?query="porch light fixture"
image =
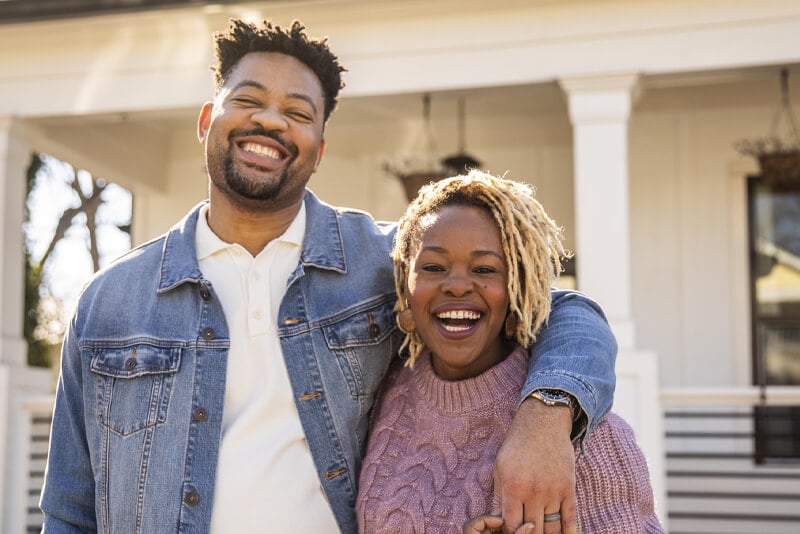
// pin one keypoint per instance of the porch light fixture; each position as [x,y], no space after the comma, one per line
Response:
[422,165]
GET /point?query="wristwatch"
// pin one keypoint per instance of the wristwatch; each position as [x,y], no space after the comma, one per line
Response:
[556,397]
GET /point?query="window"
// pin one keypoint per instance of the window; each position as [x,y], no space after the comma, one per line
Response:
[774,236]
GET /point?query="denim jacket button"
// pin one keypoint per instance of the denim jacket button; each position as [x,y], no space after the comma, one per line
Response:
[191,498]
[208,333]
[374,329]
[130,363]
[204,294]
[200,414]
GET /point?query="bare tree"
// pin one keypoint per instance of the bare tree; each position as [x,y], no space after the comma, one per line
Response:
[41,321]
[88,206]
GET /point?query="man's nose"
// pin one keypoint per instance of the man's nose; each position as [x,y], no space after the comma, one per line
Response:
[270,118]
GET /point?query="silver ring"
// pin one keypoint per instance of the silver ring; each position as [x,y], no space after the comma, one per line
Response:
[552,518]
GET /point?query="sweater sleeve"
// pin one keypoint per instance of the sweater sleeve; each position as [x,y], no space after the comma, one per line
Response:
[613,483]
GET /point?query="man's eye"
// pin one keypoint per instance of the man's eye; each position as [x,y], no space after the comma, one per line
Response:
[245,101]
[300,116]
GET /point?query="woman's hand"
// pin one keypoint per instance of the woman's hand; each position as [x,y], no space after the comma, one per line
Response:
[490,524]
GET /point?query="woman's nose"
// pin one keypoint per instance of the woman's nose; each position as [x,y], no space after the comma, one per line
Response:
[457,284]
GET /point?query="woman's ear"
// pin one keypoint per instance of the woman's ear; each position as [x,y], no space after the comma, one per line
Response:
[510,325]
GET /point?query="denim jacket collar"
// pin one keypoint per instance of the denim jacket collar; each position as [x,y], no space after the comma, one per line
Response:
[322,245]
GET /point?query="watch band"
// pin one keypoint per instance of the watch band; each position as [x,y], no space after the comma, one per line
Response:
[556,397]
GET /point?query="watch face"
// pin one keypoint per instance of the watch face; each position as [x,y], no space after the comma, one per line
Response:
[555,397]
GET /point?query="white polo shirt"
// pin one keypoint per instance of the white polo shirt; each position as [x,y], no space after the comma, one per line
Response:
[266,480]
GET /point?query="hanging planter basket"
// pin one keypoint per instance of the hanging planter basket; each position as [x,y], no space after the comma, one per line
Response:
[780,169]
[778,155]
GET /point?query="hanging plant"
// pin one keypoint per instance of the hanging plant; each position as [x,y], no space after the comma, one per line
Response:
[778,154]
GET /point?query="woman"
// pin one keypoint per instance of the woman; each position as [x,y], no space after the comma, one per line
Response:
[475,257]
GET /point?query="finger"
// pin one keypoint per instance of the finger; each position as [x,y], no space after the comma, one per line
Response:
[569,515]
[525,528]
[534,513]
[513,514]
[551,522]
[482,524]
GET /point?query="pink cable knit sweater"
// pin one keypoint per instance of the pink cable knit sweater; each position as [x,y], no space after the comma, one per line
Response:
[432,444]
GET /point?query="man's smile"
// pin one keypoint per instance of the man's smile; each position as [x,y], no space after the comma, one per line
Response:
[261,150]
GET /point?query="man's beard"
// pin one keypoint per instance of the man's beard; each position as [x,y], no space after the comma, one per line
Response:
[254,189]
[251,188]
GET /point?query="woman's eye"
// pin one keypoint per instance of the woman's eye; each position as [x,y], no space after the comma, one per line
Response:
[485,270]
[432,268]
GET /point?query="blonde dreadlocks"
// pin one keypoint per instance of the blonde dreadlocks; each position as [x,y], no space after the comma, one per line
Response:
[532,245]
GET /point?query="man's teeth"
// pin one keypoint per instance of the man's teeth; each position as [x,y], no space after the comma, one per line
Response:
[459,314]
[261,150]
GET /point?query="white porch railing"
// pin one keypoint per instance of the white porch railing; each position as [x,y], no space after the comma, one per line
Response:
[27,472]
[715,483]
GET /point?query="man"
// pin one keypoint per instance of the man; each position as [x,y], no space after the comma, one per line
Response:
[220,377]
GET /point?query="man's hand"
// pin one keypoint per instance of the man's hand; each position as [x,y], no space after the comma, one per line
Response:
[534,473]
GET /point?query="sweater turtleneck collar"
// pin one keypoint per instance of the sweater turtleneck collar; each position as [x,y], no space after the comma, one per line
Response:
[460,396]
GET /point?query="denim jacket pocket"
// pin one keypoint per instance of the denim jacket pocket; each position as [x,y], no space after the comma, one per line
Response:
[133,385]
[362,344]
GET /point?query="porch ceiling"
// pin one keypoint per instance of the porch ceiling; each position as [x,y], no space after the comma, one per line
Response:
[25,10]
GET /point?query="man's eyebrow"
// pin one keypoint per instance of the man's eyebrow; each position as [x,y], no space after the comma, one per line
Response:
[305,98]
[249,83]
[256,85]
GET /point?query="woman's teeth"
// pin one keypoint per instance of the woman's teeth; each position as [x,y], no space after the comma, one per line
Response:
[458,320]
[459,314]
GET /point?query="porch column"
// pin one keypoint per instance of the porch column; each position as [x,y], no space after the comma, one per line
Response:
[13,161]
[599,108]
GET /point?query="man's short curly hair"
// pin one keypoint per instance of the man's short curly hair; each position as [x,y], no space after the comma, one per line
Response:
[242,37]
[532,245]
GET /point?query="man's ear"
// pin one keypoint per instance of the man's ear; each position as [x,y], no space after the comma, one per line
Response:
[204,120]
[320,152]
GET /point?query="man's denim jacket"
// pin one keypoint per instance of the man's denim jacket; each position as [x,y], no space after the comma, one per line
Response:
[138,412]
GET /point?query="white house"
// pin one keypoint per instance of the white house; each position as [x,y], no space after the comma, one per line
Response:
[622,113]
